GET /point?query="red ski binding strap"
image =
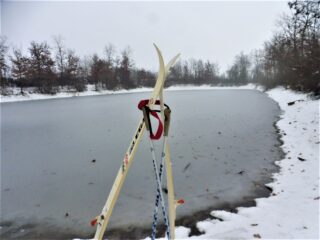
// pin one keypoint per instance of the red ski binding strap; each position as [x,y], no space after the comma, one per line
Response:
[160,127]
[144,104]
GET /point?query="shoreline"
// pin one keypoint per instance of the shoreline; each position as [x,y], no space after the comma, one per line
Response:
[189,221]
[21,231]
[17,97]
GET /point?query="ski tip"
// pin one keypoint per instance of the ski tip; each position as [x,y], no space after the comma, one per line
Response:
[158,50]
[175,58]
[156,46]
[172,62]
[161,62]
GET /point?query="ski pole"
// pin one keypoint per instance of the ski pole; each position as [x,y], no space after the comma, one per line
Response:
[167,113]
[160,194]
[159,191]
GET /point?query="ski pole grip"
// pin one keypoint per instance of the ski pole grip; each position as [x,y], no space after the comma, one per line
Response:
[167,113]
[146,118]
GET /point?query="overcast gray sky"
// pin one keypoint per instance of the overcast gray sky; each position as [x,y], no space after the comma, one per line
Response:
[216,31]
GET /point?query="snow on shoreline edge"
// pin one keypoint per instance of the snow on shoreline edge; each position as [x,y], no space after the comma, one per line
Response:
[16,97]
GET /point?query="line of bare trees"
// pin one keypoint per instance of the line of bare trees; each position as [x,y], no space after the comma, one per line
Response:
[49,69]
[290,59]
[195,72]
[39,70]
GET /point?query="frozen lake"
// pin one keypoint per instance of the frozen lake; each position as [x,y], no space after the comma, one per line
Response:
[223,145]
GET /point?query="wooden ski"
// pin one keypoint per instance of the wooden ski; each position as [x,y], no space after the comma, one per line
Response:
[103,219]
[168,164]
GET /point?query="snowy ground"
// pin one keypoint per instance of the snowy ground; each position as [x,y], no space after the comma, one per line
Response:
[292,210]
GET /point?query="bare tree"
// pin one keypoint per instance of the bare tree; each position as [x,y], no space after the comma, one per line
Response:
[126,64]
[291,58]
[85,64]
[239,72]
[3,64]
[110,51]
[97,75]
[41,67]
[211,71]
[60,58]
[110,80]
[19,69]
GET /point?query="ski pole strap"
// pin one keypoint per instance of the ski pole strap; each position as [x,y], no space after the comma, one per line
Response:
[167,113]
[143,105]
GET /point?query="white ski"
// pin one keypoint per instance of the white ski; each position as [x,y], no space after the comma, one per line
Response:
[103,219]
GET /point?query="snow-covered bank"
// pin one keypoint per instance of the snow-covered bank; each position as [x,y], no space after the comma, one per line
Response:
[292,211]
[208,87]
[16,96]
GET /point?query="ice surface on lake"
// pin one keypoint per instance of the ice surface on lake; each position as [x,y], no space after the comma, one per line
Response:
[223,145]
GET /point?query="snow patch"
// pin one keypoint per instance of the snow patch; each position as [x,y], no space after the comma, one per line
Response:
[16,97]
[182,232]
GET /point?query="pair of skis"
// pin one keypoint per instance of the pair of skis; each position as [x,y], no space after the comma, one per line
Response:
[103,219]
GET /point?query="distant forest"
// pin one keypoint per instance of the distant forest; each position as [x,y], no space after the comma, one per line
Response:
[290,59]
